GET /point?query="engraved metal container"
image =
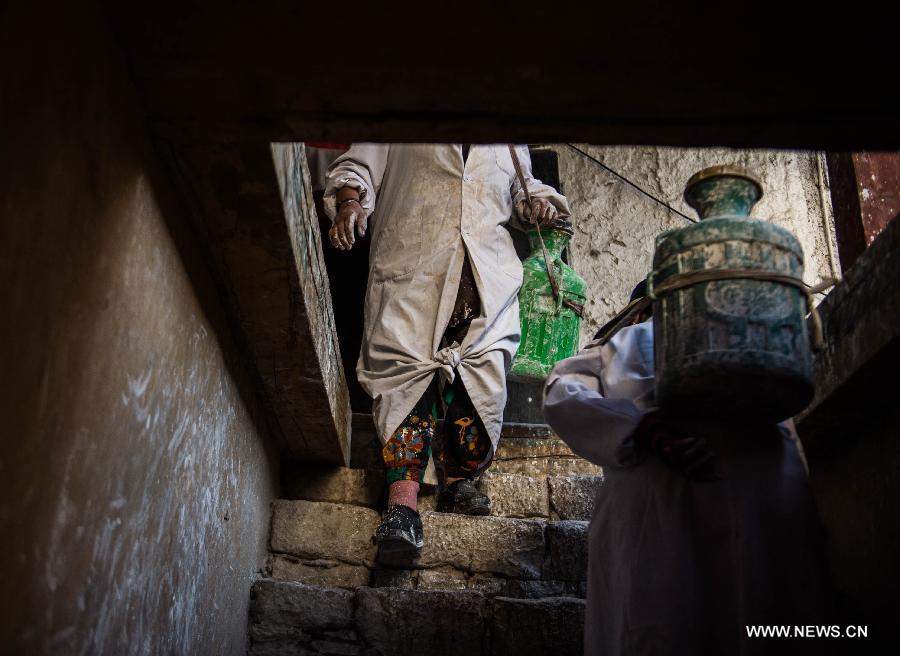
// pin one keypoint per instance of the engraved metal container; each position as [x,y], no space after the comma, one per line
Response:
[733,348]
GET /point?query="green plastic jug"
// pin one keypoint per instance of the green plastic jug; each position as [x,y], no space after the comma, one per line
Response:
[735,347]
[550,325]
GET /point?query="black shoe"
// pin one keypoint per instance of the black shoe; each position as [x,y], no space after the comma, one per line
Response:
[463,497]
[400,530]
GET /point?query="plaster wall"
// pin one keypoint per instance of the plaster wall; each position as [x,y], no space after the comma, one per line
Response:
[135,479]
[615,225]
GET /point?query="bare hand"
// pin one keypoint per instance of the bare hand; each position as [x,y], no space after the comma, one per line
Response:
[540,211]
[351,215]
[694,457]
[691,456]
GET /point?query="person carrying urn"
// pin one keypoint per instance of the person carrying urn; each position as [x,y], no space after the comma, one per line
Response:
[441,313]
[702,529]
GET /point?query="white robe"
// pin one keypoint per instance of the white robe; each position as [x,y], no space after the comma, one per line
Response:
[318,159]
[678,567]
[427,209]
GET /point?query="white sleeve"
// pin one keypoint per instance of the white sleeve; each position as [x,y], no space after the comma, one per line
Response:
[536,188]
[596,428]
[362,167]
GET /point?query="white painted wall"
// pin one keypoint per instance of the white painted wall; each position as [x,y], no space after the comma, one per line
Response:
[615,225]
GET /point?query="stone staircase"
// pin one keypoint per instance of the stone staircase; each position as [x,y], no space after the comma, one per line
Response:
[513,582]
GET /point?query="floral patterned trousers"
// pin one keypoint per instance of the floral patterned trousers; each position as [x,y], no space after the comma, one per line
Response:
[463,448]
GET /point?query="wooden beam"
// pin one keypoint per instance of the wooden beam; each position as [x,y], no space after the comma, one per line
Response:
[252,205]
[653,72]
[306,242]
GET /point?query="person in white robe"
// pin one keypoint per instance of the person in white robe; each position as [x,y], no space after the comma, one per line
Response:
[700,528]
[441,310]
[320,156]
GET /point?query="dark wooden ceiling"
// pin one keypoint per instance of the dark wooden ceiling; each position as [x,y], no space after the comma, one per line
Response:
[652,72]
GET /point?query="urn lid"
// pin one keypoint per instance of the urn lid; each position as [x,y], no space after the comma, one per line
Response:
[723,170]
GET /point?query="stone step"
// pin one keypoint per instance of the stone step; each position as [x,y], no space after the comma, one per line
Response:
[332,544]
[512,494]
[550,497]
[548,456]
[295,618]
[534,474]
[448,578]
[317,482]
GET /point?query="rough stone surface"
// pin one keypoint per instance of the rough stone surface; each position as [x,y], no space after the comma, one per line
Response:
[490,586]
[538,457]
[538,626]
[395,578]
[267,632]
[572,497]
[537,589]
[300,606]
[566,551]
[615,225]
[517,430]
[334,648]
[437,623]
[445,578]
[313,530]
[398,621]
[365,447]
[531,447]
[493,587]
[347,635]
[288,619]
[427,500]
[509,547]
[546,466]
[361,487]
[281,648]
[467,562]
[516,495]
[318,572]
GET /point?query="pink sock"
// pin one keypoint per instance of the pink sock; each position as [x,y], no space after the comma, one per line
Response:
[403,493]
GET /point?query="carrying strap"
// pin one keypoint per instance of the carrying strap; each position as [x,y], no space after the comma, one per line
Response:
[558,297]
[687,279]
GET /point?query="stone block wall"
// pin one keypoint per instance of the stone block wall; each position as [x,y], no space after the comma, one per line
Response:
[289,618]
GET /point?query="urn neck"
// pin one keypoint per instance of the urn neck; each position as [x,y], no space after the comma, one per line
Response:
[554,240]
[722,191]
